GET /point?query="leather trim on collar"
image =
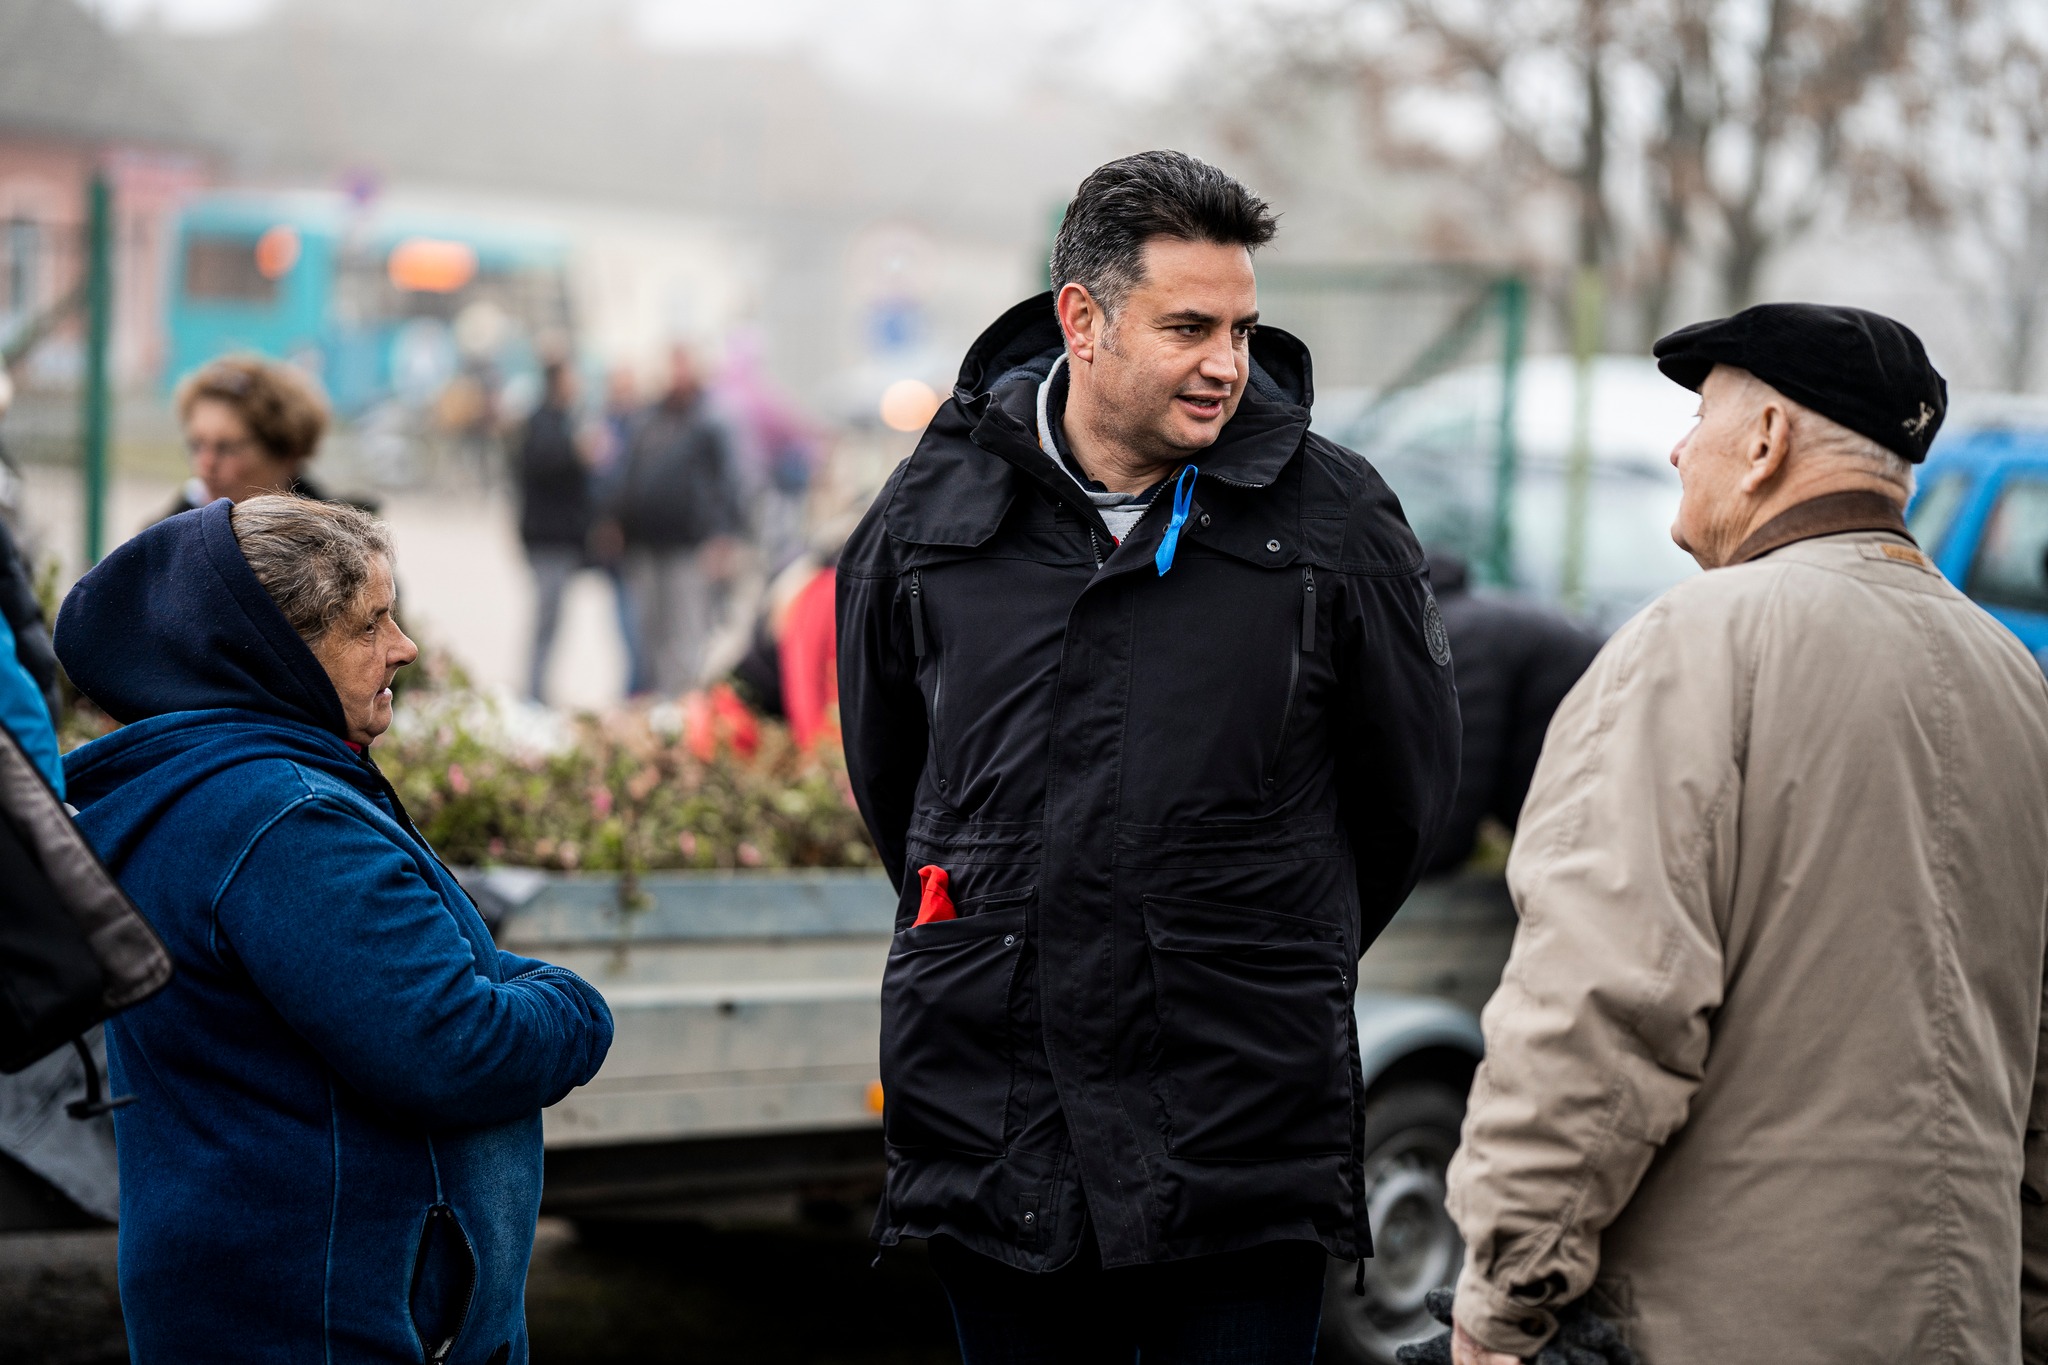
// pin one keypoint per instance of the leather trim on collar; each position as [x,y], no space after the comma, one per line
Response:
[1828,515]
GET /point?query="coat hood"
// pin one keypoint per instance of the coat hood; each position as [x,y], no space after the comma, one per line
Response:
[948,496]
[175,620]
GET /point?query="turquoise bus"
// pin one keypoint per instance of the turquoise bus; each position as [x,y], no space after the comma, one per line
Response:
[380,304]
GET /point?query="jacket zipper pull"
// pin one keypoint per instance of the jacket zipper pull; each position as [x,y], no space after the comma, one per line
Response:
[1308,609]
[916,614]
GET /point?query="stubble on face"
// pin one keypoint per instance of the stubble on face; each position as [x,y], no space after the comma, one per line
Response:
[1174,358]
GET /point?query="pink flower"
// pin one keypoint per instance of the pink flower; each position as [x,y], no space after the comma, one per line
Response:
[749,856]
[497,848]
[458,781]
[686,844]
[600,801]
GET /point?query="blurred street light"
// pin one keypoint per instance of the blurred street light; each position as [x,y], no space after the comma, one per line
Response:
[908,404]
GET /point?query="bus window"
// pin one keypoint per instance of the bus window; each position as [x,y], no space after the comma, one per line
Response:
[221,269]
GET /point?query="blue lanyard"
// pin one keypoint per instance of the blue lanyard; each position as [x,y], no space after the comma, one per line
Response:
[1183,499]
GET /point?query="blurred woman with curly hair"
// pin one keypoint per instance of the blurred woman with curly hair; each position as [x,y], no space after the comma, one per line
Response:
[251,426]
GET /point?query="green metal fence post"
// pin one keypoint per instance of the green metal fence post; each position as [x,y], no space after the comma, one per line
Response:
[1514,315]
[1589,306]
[99,309]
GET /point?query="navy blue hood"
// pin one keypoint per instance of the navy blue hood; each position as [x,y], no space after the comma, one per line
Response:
[175,620]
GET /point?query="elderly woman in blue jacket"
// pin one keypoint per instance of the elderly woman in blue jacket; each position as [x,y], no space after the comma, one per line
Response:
[334,1154]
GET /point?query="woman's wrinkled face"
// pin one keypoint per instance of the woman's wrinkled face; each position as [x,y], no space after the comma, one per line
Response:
[362,652]
[228,459]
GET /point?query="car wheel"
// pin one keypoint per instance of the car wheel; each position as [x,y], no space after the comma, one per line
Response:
[1410,1133]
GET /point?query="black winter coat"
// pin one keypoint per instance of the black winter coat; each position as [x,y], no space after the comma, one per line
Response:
[25,618]
[680,487]
[1515,662]
[1175,810]
[554,485]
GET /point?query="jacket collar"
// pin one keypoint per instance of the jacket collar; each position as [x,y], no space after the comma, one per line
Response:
[948,498]
[1828,515]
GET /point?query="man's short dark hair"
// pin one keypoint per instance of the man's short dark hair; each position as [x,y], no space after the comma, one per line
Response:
[1126,203]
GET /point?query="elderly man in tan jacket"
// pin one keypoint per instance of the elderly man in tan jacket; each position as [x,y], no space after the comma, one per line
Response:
[1762,1078]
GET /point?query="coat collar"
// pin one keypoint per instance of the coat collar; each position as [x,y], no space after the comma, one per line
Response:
[1827,515]
[952,495]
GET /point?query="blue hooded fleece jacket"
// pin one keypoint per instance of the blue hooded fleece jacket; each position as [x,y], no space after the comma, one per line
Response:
[334,1154]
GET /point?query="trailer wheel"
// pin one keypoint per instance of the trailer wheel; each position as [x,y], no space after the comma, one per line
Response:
[1410,1133]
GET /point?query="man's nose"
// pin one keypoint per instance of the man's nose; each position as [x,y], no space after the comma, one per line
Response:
[1219,361]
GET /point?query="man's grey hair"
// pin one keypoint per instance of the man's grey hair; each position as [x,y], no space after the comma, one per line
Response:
[313,558]
[1813,434]
[1816,435]
[1126,203]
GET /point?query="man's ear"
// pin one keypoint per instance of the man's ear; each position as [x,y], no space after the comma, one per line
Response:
[1081,321]
[1770,443]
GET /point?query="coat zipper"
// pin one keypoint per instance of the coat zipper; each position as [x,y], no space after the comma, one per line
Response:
[440,1353]
[1307,642]
[918,647]
[1308,608]
[917,613]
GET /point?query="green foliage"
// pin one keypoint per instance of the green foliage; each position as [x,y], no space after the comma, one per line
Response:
[489,784]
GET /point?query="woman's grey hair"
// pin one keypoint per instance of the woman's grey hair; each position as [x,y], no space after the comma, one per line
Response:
[313,558]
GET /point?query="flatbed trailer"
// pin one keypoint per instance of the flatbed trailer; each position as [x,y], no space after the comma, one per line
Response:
[742,1086]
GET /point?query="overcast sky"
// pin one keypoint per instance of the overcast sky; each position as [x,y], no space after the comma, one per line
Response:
[982,50]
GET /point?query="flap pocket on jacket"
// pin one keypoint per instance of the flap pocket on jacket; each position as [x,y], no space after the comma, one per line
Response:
[947,1045]
[1254,1059]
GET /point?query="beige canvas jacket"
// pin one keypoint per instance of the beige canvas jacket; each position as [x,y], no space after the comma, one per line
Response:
[1764,1060]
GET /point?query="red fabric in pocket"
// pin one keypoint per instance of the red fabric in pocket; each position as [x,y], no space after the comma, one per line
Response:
[937,900]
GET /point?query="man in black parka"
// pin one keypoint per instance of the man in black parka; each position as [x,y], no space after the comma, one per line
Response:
[1149,710]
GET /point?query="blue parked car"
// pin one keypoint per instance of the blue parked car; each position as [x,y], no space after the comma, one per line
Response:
[1982,514]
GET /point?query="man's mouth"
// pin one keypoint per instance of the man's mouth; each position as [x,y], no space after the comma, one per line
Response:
[1202,405]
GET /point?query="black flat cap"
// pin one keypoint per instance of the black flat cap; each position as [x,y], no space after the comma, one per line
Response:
[1860,369]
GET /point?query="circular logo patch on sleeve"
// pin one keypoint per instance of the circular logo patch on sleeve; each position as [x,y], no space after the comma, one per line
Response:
[1433,632]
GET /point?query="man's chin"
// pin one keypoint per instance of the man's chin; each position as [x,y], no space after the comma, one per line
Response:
[1187,437]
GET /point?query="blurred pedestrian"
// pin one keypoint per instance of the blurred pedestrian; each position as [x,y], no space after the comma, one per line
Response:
[22,612]
[335,1147]
[251,427]
[1149,711]
[1763,1078]
[614,437]
[678,508]
[1513,661]
[555,509]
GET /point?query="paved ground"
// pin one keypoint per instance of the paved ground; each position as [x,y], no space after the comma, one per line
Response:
[640,1296]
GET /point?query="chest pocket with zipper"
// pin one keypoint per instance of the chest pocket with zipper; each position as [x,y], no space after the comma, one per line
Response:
[1305,643]
[928,660]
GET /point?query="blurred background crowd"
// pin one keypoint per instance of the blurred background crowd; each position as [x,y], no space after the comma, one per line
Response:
[619,312]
